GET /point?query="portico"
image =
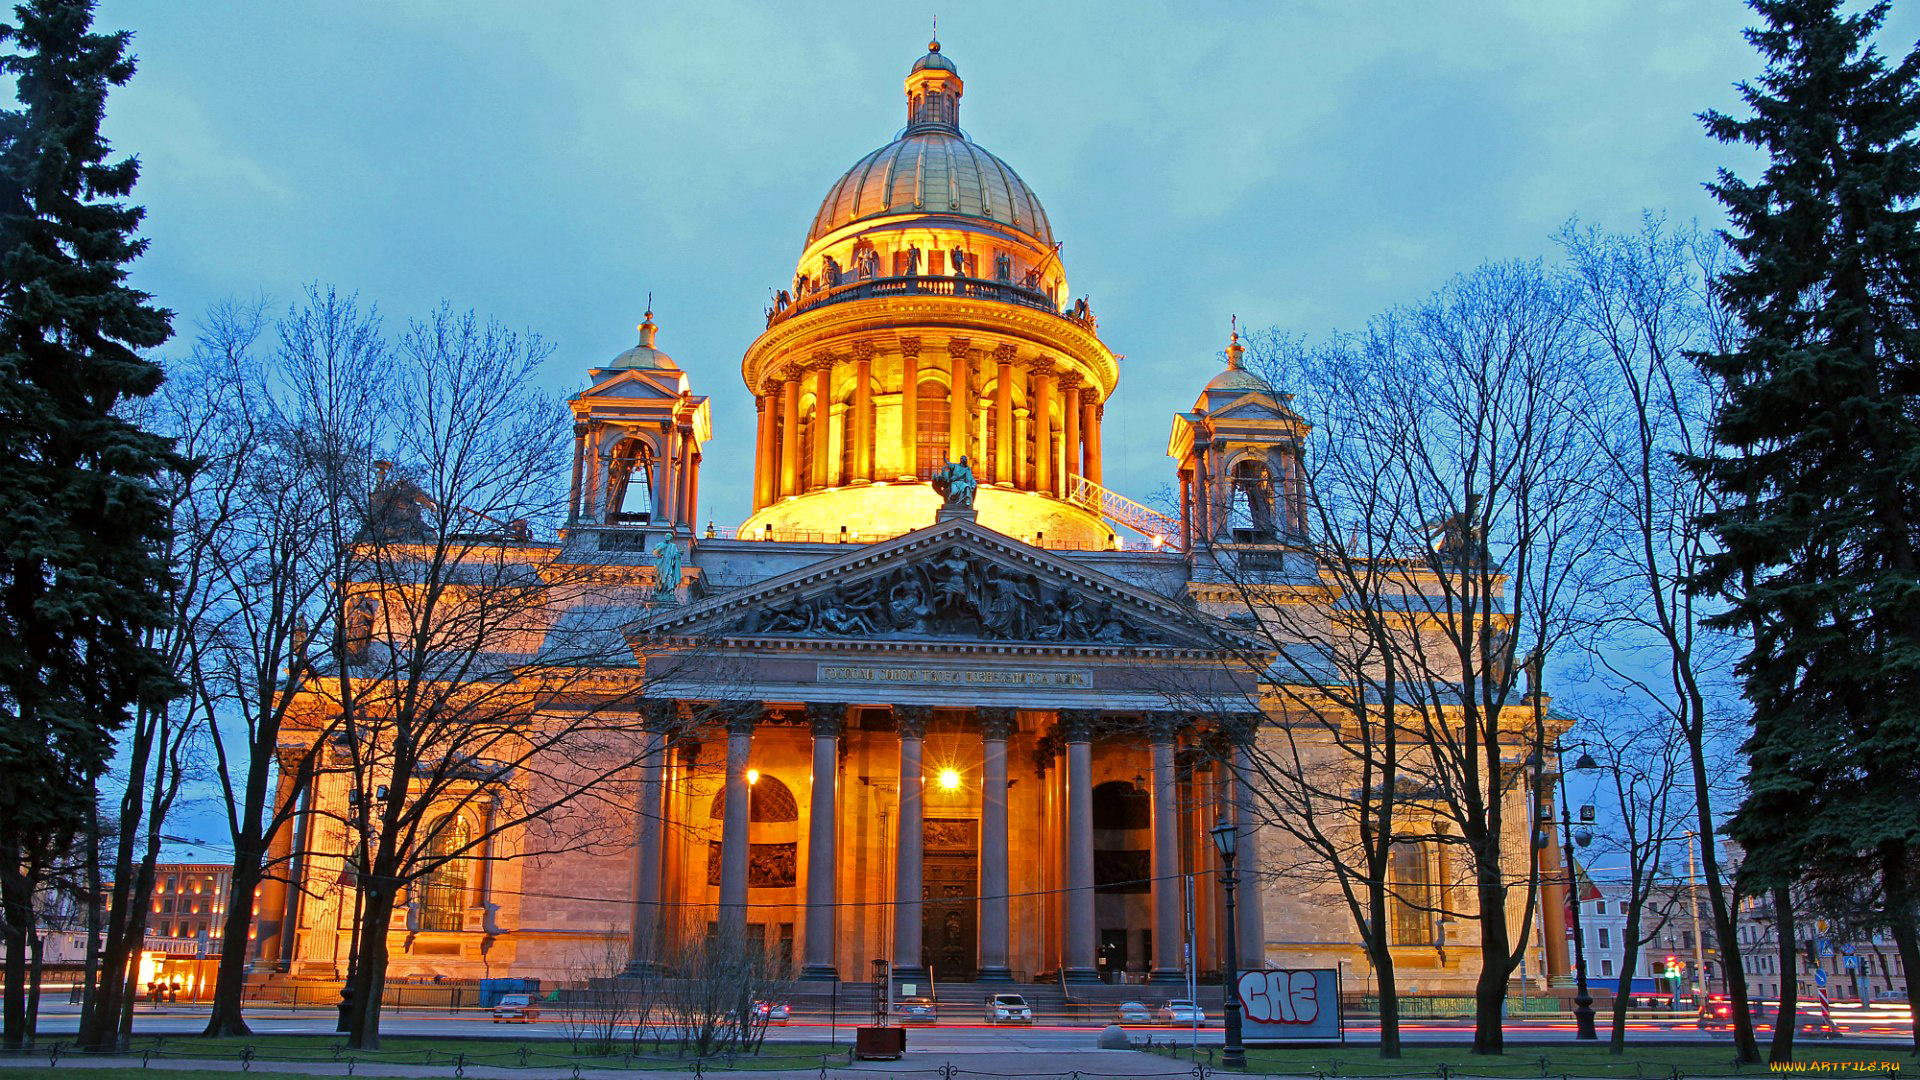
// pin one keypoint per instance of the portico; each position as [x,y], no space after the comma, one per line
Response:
[964,790]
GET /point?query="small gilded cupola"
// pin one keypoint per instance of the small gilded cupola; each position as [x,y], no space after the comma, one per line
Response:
[933,94]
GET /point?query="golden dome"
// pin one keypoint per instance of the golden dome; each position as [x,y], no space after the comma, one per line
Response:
[932,168]
[932,172]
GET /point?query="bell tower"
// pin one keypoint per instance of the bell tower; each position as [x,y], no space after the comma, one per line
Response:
[1239,454]
[638,431]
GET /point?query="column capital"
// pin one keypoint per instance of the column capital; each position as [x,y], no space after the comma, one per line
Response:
[659,714]
[911,720]
[1069,379]
[863,349]
[910,347]
[1076,725]
[827,718]
[960,348]
[997,723]
[1241,727]
[742,721]
[1004,352]
[1164,727]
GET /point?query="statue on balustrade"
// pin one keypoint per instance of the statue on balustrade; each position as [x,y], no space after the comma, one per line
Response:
[830,271]
[666,569]
[913,260]
[1003,267]
[955,481]
[866,262]
[959,259]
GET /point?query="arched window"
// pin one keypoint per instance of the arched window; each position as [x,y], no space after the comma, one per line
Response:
[631,494]
[804,472]
[1117,804]
[930,434]
[1252,513]
[444,904]
[768,800]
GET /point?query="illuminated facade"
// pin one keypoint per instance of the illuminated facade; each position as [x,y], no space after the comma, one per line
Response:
[988,743]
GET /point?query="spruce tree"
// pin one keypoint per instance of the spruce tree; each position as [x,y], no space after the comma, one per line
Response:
[82,528]
[1821,484]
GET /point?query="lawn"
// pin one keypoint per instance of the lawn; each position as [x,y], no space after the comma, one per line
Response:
[1650,1062]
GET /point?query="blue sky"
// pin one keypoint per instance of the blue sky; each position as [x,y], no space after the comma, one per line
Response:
[1303,164]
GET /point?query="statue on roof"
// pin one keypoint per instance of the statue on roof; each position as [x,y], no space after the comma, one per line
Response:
[955,481]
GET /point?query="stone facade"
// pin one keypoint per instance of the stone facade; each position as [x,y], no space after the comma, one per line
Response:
[983,736]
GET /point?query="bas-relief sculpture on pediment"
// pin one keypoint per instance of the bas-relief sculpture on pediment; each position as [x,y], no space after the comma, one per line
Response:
[956,594]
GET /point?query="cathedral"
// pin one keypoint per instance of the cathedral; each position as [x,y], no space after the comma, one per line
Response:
[982,712]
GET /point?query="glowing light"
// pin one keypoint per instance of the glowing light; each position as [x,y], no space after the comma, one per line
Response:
[949,779]
[753,776]
[1158,540]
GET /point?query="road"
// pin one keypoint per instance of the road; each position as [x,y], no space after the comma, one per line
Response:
[60,1019]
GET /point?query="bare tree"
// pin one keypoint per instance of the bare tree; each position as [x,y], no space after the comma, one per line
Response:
[485,692]
[166,738]
[1643,305]
[1642,764]
[290,420]
[1459,421]
[1327,770]
[718,980]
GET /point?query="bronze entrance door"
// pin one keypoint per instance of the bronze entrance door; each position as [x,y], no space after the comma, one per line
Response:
[950,881]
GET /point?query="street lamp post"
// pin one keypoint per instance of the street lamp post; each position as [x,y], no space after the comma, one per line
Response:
[1582,1000]
[1233,1055]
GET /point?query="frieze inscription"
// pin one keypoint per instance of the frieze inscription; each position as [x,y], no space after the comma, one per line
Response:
[861,673]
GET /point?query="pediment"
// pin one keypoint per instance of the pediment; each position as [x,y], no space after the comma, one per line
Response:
[633,384]
[954,581]
[1254,406]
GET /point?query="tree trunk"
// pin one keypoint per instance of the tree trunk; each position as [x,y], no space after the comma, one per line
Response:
[1897,875]
[16,899]
[1629,963]
[369,976]
[1781,1051]
[1490,993]
[34,945]
[229,983]
[1382,957]
[112,1016]
[96,903]
[1746,1050]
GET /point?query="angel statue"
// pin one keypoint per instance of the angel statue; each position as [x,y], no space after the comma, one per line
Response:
[666,568]
[955,481]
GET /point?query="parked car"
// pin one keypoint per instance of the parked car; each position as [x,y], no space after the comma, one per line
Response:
[1008,1009]
[916,1010]
[1132,1012]
[519,1007]
[772,1012]
[1180,1012]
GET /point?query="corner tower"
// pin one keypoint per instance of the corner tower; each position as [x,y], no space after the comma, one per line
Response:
[929,318]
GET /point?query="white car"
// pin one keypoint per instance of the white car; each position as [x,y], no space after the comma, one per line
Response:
[1179,1012]
[1008,1009]
[772,1012]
